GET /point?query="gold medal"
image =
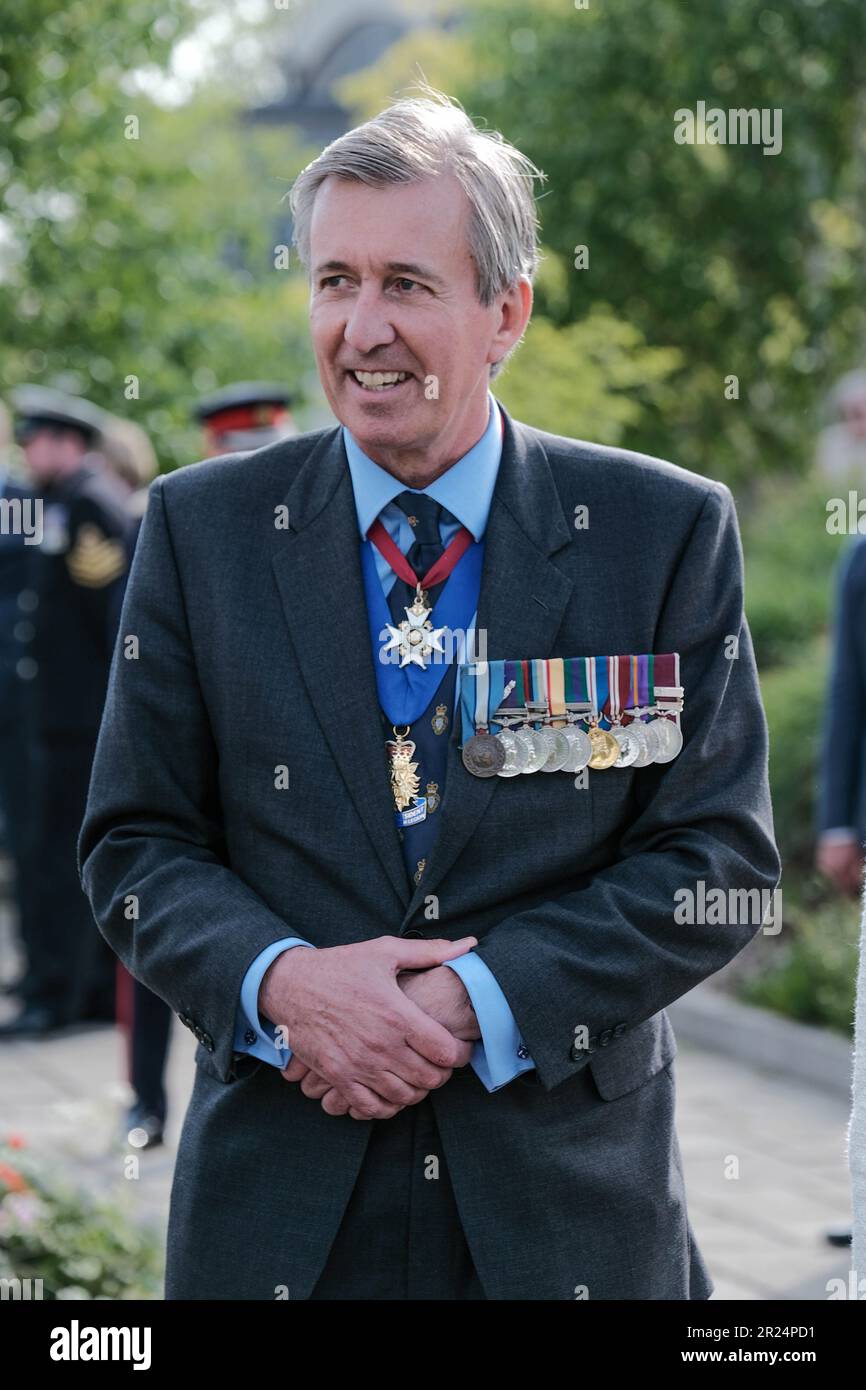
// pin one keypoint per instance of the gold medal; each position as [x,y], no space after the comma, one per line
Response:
[404,780]
[605,749]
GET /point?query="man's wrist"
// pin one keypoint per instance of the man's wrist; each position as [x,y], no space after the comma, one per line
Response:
[272,990]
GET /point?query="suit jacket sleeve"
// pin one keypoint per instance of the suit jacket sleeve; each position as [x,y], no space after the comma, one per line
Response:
[611,954]
[857,1121]
[151,851]
[845,714]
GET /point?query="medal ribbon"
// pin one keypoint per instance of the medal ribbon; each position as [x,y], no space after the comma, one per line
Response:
[482,695]
[556,690]
[599,666]
[497,685]
[610,685]
[454,552]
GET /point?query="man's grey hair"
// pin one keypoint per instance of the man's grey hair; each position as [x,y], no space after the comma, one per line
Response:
[419,138]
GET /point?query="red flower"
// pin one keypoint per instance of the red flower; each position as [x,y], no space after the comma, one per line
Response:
[16,1142]
[12,1179]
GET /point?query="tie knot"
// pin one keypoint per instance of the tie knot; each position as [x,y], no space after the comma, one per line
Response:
[423,513]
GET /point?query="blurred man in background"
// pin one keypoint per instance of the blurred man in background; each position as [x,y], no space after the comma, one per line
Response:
[841,818]
[841,828]
[15,632]
[245,415]
[71,603]
[841,453]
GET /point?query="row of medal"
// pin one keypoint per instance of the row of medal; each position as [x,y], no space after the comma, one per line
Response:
[562,714]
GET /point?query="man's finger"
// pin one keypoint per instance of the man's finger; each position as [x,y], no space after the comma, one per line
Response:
[295,1071]
[432,1040]
[367,1105]
[333,1103]
[315,1086]
[409,954]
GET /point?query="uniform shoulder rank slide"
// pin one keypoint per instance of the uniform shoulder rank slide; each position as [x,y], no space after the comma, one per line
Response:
[95,559]
[562,714]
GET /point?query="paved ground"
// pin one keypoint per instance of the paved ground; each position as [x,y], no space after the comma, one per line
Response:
[764,1156]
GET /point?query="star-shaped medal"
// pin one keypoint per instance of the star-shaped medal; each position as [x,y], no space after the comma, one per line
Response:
[416,638]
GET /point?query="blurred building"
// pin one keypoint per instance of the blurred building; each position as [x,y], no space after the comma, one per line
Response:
[332,39]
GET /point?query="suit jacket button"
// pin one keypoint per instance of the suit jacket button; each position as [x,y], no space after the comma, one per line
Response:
[577,1054]
[619,1030]
[411,931]
[605,1037]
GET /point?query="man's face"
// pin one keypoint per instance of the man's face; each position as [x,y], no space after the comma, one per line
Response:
[855,416]
[53,453]
[393,290]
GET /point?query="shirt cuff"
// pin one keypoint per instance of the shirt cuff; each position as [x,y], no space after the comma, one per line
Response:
[501,1054]
[839,835]
[254,1034]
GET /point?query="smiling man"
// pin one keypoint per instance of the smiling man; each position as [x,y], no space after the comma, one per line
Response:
[419,912]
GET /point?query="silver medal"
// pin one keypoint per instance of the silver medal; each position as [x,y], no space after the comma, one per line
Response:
[638,731]
[581,748]
[559,749]
[537,751]
[629,748]
[515,754]
[669,740]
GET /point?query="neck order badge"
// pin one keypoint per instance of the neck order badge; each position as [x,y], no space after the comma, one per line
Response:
[416,639]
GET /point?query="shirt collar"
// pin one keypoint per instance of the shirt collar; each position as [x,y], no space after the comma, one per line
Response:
[466,489]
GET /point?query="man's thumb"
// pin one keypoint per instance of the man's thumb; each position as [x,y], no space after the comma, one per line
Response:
[421,955]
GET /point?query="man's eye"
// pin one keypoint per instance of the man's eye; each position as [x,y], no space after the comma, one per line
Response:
[413,284]
[328,282]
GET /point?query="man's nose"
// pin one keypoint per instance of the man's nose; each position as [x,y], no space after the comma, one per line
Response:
[368,324]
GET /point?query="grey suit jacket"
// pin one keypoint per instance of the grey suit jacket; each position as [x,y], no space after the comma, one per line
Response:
[253,652]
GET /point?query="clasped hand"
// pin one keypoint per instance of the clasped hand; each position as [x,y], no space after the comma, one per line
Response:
[373,1027]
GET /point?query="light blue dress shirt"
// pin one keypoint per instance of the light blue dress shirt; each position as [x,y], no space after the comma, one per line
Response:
[465,490]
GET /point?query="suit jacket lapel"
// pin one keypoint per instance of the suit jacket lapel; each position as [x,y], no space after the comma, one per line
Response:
[318,572]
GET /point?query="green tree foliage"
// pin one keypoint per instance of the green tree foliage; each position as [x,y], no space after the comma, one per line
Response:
[752,265]
[136,240]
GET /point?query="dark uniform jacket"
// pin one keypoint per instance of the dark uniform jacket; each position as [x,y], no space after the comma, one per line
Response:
[14,626]
[75,587]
